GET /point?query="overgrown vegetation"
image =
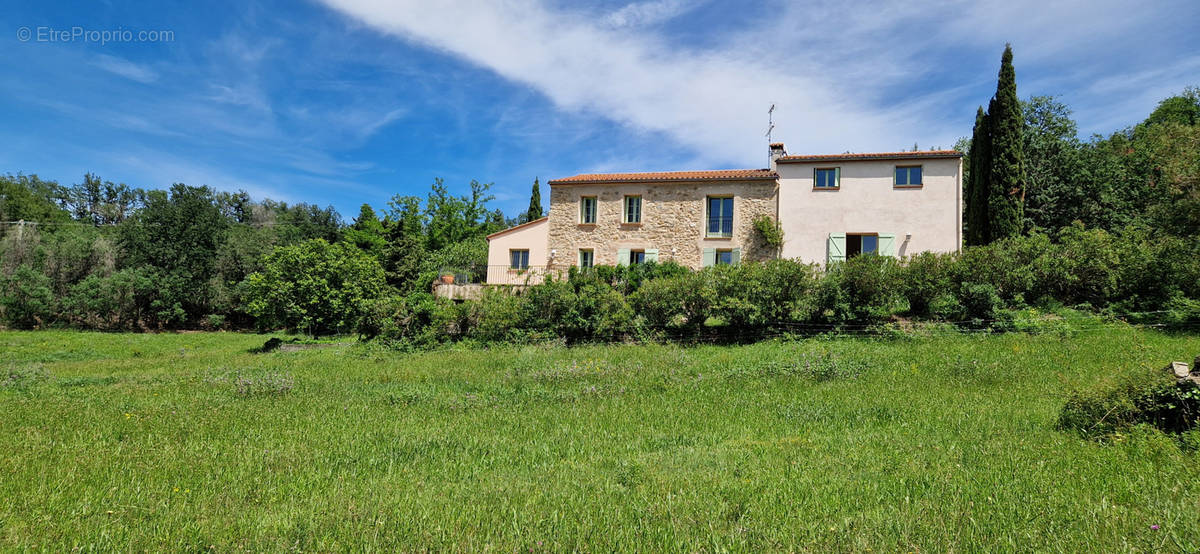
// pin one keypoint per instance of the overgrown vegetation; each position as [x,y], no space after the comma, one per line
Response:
[141,442]
[1006,285]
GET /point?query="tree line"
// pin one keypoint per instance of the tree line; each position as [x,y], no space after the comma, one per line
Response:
[104,255]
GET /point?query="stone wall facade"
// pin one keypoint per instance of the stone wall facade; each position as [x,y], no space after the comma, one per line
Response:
[673,221]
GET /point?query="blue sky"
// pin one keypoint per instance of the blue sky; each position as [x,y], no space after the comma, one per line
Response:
[349,101]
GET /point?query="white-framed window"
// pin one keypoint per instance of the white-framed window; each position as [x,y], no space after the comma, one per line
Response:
[827,178]
[633,209]
[587,209]
[587,257]
[518,259]
[907,176]
[720,216]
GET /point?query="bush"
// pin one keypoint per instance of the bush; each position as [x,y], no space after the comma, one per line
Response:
[26,300]
[421,320]
[122,300]
[315,287]
[926,281]
[1003,265]
[860,291]
[1147,396]
[1080,268]
[498,317]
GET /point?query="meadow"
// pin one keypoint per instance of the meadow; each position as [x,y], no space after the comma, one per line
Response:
[194,441]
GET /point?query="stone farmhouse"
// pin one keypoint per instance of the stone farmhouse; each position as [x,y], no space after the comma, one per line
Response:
[830,208]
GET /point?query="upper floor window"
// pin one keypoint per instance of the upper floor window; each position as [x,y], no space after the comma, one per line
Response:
[827,178]
[908,176]
[720,216]
[587,209]
[518,259]
[633,210]
[587,257]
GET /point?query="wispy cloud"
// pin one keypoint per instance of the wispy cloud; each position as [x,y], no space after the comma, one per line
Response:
[648,13]
[125,68]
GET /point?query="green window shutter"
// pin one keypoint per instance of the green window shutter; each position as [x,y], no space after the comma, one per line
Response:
[623,256]
[710,257]
[887,244]
[735,256]
[836,248]
[837,182]
[651,254]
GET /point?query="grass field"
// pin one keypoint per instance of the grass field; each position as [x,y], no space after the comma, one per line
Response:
[194,442]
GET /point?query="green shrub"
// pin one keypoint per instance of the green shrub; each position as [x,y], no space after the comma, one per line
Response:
[498,316]
[926,280]
[980,304]
[1080,268]
[860,291]
[119,301]
[26,300]
[1004,265]
[1145,396]
[314,286]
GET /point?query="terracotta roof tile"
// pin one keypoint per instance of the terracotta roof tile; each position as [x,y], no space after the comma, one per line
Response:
[668,176]
[930,154]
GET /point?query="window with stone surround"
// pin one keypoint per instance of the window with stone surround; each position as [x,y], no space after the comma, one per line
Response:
[633,209]
[720,216]
[587,209]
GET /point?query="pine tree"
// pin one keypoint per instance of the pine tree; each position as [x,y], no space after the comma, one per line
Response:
[1006,186]
[977,181]
[535,203]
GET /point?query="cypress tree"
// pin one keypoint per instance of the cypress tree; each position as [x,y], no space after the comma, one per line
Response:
[977,179]
[1006,186]
[535,203]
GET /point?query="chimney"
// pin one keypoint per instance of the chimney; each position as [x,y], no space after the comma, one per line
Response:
[777,151]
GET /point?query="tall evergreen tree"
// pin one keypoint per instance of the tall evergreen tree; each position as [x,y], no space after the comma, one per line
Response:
[1006,187]
[977,178]
[535,203]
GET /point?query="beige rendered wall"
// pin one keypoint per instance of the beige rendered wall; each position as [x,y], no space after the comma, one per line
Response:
[531,237]
[867,202]
[673,220]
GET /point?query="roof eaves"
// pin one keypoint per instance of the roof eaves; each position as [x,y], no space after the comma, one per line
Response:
[515,227]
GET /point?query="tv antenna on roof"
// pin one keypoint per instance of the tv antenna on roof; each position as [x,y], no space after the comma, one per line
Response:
[770,121]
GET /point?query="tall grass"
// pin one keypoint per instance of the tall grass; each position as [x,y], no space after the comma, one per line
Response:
[948,443]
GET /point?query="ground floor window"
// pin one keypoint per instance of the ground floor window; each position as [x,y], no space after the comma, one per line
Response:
[587,257]
[724,257]
[637,257]
[518,259]
[861,244]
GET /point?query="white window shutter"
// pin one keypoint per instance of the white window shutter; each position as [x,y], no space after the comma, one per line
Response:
[710,257]
[651,254]
[623,256]
[735,256]
[836,249]
[887,244]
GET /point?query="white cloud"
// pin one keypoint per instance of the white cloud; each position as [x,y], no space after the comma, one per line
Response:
[125,68]
[844,78]
[712,102]
[647,13]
